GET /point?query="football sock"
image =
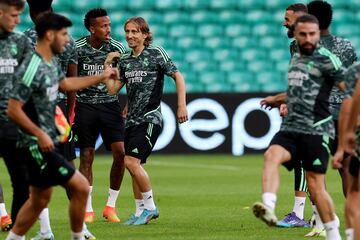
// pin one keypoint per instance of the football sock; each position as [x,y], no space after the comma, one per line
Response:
[77,236]
[3,210]
[13,236]
[139,203]
[349,234]
[332,230]
[113,195]
[148,200]
[269,199]
[88,203]
[299,205]
[44,220]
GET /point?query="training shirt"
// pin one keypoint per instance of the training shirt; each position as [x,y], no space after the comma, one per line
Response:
[344,50]
[144,79]
[310,80]
[37,87]
[14,48]
[91,62]
[69,56]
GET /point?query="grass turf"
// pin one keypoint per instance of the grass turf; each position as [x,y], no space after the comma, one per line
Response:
[199,197]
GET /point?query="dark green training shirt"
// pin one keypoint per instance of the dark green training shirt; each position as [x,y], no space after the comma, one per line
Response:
[91,62]
[310,80]
[144,78]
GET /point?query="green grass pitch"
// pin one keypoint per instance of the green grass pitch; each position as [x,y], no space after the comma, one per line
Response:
[199,197]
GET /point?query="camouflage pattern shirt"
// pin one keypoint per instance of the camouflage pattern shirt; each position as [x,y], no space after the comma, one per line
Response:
[343,49]
[144,79]
[310,80]
[91,62]
[37,87]
[15,47]
[69,56]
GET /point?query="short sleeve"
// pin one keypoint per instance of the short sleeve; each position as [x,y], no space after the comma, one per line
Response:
[351,78]
[166,64]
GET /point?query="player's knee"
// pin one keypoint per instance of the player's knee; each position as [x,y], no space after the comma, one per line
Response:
[270,156]
[131,164]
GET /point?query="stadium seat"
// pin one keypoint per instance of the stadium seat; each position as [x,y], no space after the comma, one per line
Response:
[203,16]
[230,16]
[181,30]
[84,5]
[209,30]
[62,5]
[278,54]
[218,87]
[168,4]
[189,42]
[194,87]
[201,66]
[175,17]
[244,42]
[258,16]
[223,4]
[250,4]
[232,65]
[140,4]
[260,65]
[197,55]
[254,54]
[282,66]
[263,29]
[212,77]
[225,54]
[196,4]
[169,85]
[241,77]
[269,77]
[273,42]
[277,4]
[112,5]
[159,30]
[343,16]
[235,30]
[214,43]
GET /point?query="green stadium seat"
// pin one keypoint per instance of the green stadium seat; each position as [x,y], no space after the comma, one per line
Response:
[203,16]
[264,29]
[246,87]
[62,5]
[343,15]
[273,87]
[223,54]
[258,16]
[189,42]
[230,16]
[282,65]
[152,17]
[169,85]
[175,54]
[168,4]
[216,42]
[113,5]
[166,43]
[209,30]
[232,65]
[196,4]
[253,54]
[241,77]
[197,55]
[159,30]
[201,66]
[269,77]
[235,30]
[211,77]
[244,42]
[347,30]
[259,66]
[84,5]
[140,4]
[175,17]
[181,30]
[278,4]
[272,42]
[279,54]
[118,19]
[223,4]
[194,87]
[218,87]
[250,4]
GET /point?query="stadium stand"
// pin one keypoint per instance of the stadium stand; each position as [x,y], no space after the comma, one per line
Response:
[220,46]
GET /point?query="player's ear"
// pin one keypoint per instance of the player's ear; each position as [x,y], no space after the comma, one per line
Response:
[91,29]
[50,35]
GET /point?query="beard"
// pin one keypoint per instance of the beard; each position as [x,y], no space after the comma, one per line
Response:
[290,32]
[56,47]
[307,51]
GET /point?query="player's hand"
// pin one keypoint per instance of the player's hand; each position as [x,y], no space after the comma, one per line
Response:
[111,73]
[268,103]
[45,143]
[182,115]
[338,159]
[284,110]
[111,57]
[350,143]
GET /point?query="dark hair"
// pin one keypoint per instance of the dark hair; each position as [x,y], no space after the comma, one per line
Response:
[39,6]
[92,14]
[297,7]
[322,10]
[143,27]
[307,18]
[51,21]
[19,4]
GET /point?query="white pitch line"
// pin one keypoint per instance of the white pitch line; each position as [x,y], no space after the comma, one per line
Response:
[190,165]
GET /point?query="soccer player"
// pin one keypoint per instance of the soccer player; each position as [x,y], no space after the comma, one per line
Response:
[68,63]
[14,49]
[98,112]
[347,127]
[308,129]
[143,70]
[296,217]
[32,107]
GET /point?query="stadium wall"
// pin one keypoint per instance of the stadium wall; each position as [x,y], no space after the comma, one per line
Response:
[218,123]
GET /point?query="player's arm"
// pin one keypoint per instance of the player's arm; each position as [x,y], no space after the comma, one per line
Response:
[274,101]
[77,83]
[16,113]
[182,115]
[113,86]
[71,95]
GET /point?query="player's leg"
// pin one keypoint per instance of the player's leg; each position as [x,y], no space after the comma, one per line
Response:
[112,131]
[139,204]
[39,198]
[78,189]
[296,217]
[5,218]
[315,152]
[87,130]
[353,198]
[18,174]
